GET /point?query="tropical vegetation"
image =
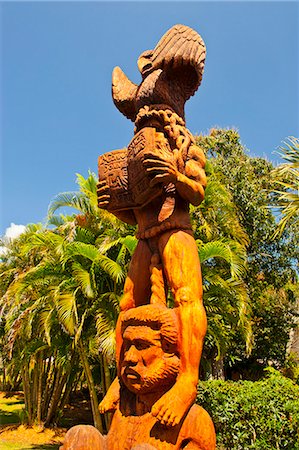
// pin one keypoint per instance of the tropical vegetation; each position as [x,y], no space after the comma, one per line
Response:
[253,415]
[61,283]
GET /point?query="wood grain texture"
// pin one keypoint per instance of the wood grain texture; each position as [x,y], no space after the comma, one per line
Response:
[171,74]
[151,184]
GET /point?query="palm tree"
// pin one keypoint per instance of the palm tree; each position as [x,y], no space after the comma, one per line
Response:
[286,175]
[25,303]
[98,250]
[222,243]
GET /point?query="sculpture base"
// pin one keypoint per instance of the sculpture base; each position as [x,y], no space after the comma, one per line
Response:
[196,431]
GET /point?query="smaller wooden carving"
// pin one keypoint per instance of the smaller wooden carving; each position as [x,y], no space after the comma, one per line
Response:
[83,437]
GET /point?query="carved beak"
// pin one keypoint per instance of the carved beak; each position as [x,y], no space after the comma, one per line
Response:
[145,63]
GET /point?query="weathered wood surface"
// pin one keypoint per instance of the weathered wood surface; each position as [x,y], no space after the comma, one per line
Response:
[151,184]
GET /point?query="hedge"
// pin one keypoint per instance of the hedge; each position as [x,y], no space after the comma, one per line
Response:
[260,415]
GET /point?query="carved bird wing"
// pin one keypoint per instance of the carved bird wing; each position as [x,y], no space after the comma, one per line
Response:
[124,93]
[182,51]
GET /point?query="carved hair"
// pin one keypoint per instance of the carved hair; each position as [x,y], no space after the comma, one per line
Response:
[157,317]
[180,138]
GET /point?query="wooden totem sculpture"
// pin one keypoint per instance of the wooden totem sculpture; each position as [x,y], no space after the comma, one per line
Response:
[149,365]
[151,183]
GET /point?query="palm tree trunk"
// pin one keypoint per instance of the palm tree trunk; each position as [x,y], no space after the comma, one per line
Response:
[40,366]
[70,378]
[218,368]
[48,383]
[106,382]
[34,387]
[92,392]
[27,391]
[3,387]
[58,387]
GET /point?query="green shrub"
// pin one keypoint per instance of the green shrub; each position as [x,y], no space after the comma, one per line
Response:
[260,415]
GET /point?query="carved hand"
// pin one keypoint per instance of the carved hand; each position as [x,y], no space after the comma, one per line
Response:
[159,170]
[103,192]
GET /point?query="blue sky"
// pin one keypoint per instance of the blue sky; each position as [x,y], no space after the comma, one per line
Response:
[57,59]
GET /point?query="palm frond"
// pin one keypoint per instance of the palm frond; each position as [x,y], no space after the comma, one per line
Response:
[286,175]
[130,242]
[66,309]
[110,267]
[44,241]
[89,187]
[83,278]
[75,200]
[56,221]
[84,235]
[230,251]
[87,251]
[45,320]
[106,334]
[106,243]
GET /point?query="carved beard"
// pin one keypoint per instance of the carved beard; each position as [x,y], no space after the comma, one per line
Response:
[156,376]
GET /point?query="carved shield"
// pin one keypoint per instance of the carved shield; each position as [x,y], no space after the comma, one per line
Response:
[125,174]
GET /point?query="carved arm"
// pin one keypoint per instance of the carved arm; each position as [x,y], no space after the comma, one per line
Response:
[190,185]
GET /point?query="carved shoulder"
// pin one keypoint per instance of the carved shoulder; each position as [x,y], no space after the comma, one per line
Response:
[194,167]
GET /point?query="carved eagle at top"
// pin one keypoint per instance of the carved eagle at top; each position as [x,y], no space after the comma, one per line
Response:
[173,69]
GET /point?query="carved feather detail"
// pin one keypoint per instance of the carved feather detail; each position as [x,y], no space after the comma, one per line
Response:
[181,49]
[124,93]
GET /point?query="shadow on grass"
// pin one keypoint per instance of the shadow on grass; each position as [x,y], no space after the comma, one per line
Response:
[16,402]
[7,418]
[44,447]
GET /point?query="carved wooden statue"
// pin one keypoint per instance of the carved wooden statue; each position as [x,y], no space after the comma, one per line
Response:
[151,183]
[149,366]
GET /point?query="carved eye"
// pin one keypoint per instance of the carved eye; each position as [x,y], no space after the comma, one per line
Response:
[126,345]
[141,345]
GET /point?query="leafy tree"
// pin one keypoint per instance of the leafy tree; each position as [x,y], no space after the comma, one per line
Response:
[286,190]
[67,283]
[269,260]
[222,242]
[253,415]
[46,365]
[286,175]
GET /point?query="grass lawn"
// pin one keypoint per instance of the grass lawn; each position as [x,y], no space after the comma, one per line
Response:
[14,436]
[15,446]
[11,407]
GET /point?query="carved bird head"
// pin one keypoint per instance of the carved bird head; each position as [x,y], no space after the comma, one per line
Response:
[144,63]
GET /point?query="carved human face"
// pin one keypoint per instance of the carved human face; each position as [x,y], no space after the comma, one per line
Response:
[145,364]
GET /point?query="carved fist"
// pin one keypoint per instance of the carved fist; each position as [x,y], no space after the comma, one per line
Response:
[103,192]
[160,170]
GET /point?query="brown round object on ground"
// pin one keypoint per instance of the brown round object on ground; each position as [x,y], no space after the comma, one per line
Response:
[83,437]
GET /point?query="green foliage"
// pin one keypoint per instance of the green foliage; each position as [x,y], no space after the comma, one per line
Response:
[10,409]
[60,287]
[222,242]
[286,176]
[270,278]
[253,415]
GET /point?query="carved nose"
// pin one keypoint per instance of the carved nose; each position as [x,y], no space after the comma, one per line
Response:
[131,355]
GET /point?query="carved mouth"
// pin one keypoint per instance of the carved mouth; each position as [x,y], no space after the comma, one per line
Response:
[146,67]
[130,374]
